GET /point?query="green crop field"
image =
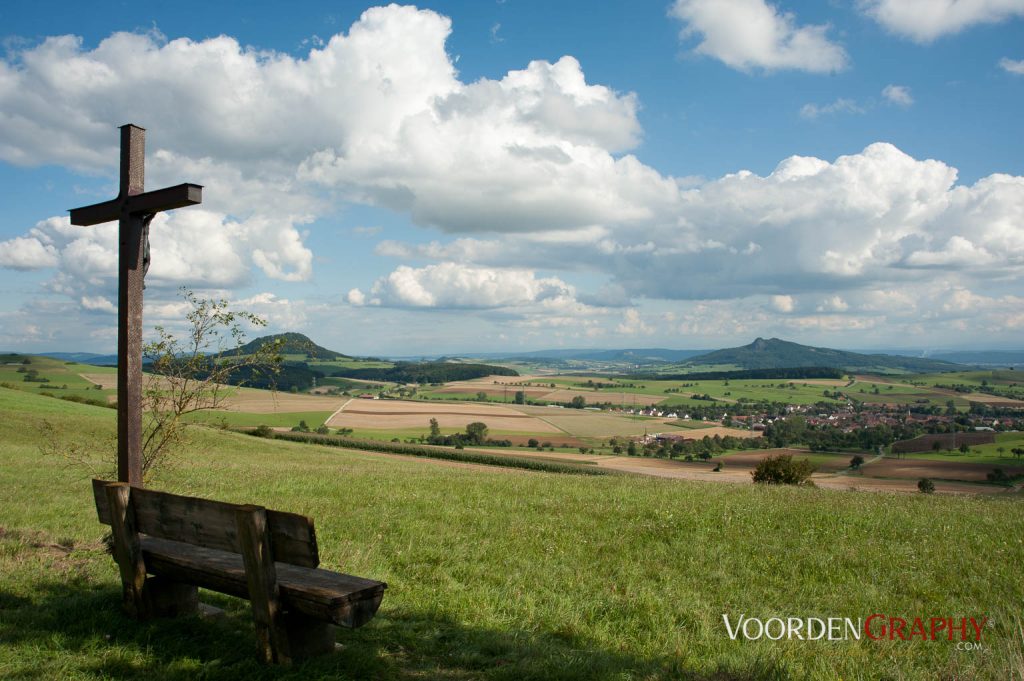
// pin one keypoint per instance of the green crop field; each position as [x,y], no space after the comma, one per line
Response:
[988,454]
[496,574]
[1005,377]
[795,392]
[901,389]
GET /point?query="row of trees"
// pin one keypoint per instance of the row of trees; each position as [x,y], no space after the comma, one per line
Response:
[474,435]
[703,448]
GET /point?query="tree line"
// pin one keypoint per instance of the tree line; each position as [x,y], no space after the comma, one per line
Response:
[425,372]
[791,373]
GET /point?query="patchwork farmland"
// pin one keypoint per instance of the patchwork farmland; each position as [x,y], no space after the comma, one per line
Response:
[650,413]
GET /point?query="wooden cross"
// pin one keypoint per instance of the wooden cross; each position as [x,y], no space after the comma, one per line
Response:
[133,209]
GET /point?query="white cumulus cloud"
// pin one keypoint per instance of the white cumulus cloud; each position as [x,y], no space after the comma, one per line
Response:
[783,303]
[1015,66]
[633,324]
[27,253]
[841,105]
[875,217]
[453,285]
[898,94]
[749,34]
[925,20]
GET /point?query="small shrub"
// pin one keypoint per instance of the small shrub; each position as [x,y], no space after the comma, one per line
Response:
[998,477]
[263,431]
[783,470]
[925,486]
[323,430]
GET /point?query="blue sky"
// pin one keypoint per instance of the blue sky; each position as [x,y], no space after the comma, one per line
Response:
[487,176]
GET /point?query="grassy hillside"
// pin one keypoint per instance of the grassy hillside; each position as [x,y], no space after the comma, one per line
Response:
[56,376]
[513,575]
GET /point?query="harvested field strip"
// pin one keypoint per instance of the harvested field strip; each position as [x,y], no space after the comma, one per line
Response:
[241,419]
[436,411]
[396,414]
[445,453]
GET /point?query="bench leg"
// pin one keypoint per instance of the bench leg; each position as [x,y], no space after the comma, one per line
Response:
[308,637]
[261,577]
[166,598]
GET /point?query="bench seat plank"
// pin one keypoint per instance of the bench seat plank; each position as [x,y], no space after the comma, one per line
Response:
[342,599]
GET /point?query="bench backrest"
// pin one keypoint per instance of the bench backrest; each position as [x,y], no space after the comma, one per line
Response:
[211,524]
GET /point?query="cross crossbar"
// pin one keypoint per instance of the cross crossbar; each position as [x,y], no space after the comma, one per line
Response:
[157,201]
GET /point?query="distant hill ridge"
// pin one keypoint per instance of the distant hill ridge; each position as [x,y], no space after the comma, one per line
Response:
[775,353]
[291,344]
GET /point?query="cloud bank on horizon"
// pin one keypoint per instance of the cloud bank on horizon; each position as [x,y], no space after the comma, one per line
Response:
[525,181]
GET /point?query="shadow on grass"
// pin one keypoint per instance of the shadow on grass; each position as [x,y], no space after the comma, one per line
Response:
[78,630]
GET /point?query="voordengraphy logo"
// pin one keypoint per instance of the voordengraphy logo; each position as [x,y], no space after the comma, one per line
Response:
[876,627]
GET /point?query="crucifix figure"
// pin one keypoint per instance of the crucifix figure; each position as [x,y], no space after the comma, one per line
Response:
[133,209]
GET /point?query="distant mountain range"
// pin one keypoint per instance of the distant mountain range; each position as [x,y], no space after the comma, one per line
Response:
[634,356]
[772,353]
[83,358]
[986,358]
[777,354]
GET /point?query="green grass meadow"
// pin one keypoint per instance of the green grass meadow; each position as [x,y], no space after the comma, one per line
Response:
[499,574]
[218,417]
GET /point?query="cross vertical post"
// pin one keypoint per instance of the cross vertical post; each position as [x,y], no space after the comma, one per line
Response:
[133,209]
[129,308]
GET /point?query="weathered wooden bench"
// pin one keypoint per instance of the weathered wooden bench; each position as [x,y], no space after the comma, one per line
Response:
[166,546]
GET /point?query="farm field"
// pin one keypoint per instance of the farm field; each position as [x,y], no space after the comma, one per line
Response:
[513,575]
[981,454]
[1007,382]
[593,424]
[402,414]
[706,430]
[929,386]
[892,389]
[505,391]
[644,392]
[253,401]
[878,474]
[886,474]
